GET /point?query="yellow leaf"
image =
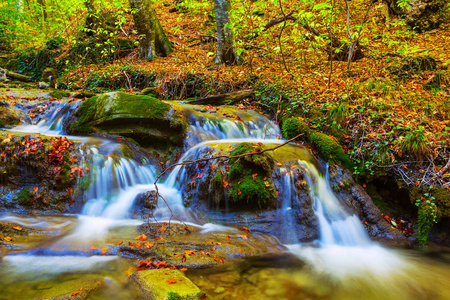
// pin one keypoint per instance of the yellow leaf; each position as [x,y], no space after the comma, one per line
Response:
[17,228]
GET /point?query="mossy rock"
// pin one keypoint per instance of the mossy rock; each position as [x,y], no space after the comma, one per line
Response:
[330,149]
[8,117]
[145,119]
[166,284]
[24,197]
[293,127]
[151,91]
[327,146]
[250,177]
[59,94]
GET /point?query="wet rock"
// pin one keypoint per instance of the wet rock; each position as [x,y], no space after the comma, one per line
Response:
[199,250]
[144,203]
[145,119]
[360,203]
[162,284]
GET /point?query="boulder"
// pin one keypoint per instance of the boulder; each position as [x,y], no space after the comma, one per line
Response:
[78,289]
[421,15]
[8,117]
[145,119]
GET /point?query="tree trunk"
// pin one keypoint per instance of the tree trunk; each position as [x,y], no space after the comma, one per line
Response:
[225,40]
[154,41]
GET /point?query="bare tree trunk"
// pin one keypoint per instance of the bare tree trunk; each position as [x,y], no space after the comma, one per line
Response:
[225,40]
[154,41]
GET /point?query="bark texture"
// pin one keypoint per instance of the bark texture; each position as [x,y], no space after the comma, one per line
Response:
[154,41]
[225,40]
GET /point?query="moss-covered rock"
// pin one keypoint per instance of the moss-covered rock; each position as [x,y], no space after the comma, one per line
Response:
[295,126]
[145,119]
[250,176]
[8,117]
[151,91]
[59,94]
[166,284]
[327,146]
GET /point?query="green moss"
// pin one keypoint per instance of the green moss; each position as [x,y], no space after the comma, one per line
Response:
[293,127]
[246,176]
[252,191]
[152,91]
[24,197]
[154,284]
[59,94]
[117,105]
[424,223]
[330,149]
[442,200]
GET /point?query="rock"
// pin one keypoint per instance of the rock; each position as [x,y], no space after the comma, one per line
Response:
[164,284]
[57,94]
[360,203]
[50,75]
[144,203]
[152,91]
[203,249]
[77,289]
[421,15]
[43,85]
[145,119]
[83,94]
[8,117]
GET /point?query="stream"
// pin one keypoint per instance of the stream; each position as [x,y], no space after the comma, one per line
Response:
[343,263]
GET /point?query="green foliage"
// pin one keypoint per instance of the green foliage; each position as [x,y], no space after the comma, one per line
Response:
[32,62]
[416,143]
[59,94]
[428,210]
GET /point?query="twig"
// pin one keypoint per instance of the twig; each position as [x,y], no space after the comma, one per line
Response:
[128,79]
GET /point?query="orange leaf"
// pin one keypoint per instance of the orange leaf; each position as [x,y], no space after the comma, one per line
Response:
[171,281]
[148,245]
[129,272]
[163,228]
[75,293]
[17,228]
[119,243]
[142,237]
[183,269]
[225,183]
[104,250]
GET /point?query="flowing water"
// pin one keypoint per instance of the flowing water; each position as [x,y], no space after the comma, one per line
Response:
[343,264]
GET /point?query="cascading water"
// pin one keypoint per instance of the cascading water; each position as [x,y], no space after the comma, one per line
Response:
[115,181]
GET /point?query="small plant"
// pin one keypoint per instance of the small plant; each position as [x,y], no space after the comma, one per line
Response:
[416,143]
[427,215]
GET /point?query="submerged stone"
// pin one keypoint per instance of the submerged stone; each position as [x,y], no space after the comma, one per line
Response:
[165,284]
[77,289]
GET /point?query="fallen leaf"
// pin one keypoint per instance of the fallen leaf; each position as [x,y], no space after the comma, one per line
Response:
[142,237]
[171,281]
[17,228]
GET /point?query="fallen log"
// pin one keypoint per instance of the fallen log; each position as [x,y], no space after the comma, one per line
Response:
[15,76]
[228,98]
